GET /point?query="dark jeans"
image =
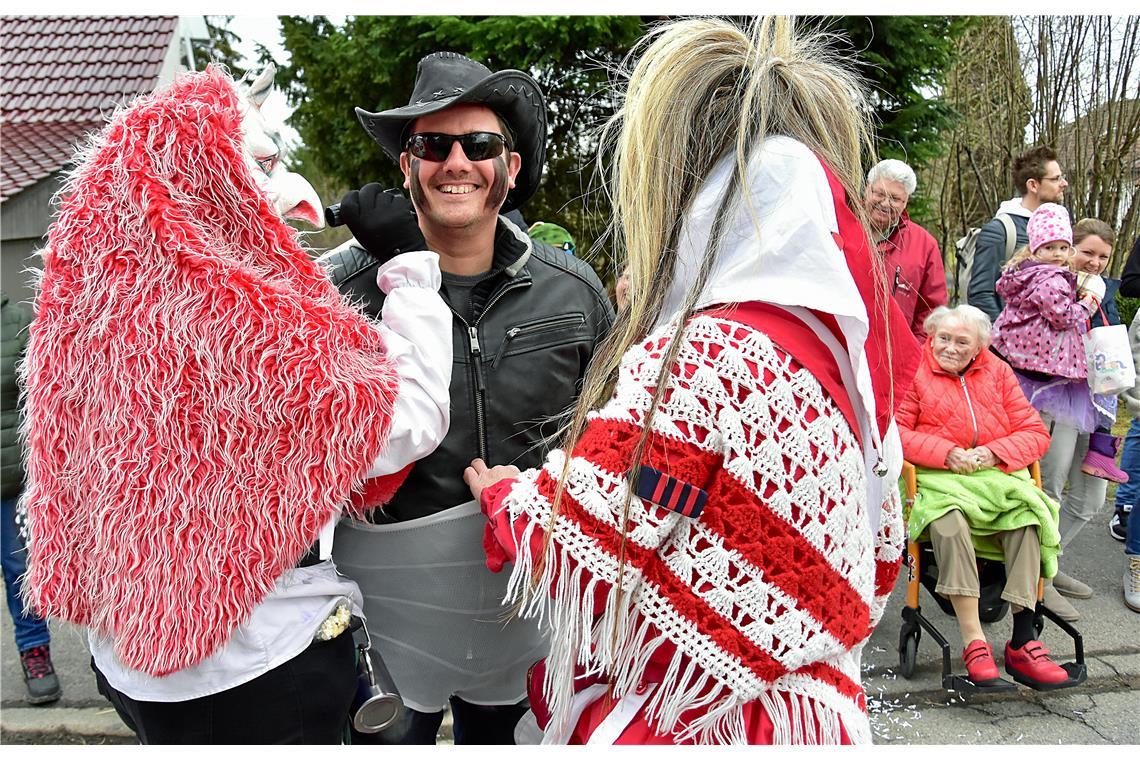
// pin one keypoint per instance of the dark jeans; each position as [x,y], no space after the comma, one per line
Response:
[31,629]
[303,701]
[471,724]
[1127,494]
[1132,536]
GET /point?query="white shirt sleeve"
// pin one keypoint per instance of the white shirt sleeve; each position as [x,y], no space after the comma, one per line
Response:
[416,327]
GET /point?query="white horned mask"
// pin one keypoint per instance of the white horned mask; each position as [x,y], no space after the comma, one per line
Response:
[290,193]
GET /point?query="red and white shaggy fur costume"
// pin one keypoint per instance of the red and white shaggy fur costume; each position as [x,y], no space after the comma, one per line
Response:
[200,400]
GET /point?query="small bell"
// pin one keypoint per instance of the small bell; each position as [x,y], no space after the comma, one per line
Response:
[880,468]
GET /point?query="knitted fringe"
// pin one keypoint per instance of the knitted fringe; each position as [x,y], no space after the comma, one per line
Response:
[620,645]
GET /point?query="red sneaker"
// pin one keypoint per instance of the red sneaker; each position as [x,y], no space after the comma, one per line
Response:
[979,659]
[1031,665]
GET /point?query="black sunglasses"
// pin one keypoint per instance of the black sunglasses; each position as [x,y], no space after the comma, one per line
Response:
[436,146]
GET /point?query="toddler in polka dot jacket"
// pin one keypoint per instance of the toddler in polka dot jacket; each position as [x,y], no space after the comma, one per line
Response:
[1040,331]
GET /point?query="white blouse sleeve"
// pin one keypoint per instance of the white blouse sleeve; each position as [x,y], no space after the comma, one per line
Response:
[416,327]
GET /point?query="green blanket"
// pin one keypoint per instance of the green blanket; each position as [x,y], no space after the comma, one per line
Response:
[991,502]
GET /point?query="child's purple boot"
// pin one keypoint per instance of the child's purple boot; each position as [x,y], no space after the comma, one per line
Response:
[1100,461]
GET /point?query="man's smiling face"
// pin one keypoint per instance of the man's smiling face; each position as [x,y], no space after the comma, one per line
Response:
[458,192]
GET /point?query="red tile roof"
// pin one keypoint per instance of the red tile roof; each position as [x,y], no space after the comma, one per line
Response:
[60,76]
[34,150]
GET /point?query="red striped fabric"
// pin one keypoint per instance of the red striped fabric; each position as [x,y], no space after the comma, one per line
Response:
[677,593]
[785,557]
[757,539]
[690,501]
[778,549]
[886,573]
[831,675]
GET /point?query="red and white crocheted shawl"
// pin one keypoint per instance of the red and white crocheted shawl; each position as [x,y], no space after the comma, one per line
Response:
[771,591]
[200,400]
[775,587]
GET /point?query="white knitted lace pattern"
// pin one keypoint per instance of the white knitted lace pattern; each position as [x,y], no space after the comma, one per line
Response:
[758,428]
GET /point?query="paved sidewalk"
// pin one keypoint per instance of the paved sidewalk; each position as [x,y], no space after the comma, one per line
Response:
[1100,711]
[917,711]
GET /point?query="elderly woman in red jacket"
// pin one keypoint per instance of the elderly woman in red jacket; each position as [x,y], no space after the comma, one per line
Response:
[965,416]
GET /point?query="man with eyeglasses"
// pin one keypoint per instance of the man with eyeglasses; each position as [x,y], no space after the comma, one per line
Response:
[526,321]
[909,252]
[1038,176]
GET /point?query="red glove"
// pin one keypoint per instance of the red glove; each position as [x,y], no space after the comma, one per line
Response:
[491,503]
[496,555]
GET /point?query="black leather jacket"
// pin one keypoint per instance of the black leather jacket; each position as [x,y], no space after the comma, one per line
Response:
[519,364]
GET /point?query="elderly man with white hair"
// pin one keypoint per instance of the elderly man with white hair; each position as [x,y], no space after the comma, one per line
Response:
[914,263]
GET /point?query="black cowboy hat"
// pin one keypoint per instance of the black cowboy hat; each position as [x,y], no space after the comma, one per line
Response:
[445,79]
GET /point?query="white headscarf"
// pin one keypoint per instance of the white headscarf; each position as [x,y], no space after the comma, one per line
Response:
[782,251]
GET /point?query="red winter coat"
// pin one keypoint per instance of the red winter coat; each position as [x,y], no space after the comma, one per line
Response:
[914,268]
[982,407]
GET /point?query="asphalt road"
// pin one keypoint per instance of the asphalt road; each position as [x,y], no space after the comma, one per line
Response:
[1104,710]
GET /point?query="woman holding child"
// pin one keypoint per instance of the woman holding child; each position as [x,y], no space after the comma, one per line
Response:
[1053,293]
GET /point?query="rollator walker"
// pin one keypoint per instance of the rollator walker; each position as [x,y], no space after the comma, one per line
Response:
[922,570]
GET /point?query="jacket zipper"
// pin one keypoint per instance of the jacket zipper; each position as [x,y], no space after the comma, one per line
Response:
[537,327]
[477,365]
[970,406]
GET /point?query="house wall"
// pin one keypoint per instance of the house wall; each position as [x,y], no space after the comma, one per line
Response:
[24,220]
[188,28]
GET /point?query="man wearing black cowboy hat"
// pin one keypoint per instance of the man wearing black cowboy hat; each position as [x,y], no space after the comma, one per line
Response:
[527,318]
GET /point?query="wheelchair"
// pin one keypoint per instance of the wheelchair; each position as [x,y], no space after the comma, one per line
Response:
[922,571]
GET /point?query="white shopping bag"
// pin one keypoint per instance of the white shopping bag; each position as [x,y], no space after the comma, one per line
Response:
[1109,357]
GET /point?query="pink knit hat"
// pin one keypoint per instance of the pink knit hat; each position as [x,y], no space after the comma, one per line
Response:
[1049,223]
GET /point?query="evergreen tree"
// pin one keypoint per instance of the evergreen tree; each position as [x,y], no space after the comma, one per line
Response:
[371,62]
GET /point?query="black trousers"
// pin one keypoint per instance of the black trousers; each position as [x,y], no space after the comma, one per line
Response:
[471,724]
[303,701]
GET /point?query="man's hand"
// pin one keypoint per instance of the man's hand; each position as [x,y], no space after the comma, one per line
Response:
[384,222]
[479,476]
[960,461]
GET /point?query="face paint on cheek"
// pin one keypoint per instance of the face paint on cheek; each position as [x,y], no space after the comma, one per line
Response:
[419,197]
[498,192]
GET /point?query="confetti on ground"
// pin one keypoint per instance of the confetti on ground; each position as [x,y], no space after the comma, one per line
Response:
[889,717]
